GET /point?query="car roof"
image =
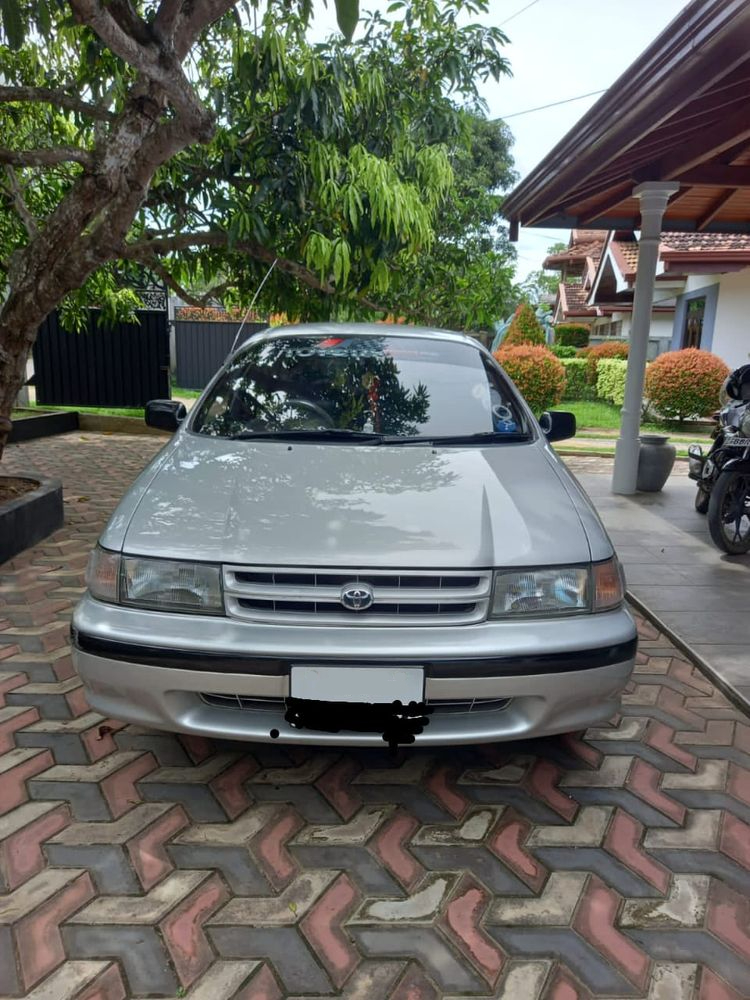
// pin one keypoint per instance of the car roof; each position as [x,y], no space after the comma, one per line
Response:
[359,330]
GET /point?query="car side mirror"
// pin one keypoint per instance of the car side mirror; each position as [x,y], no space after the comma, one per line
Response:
[165,414]
[558,425]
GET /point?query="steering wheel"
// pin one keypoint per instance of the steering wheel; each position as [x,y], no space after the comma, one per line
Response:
[314,409]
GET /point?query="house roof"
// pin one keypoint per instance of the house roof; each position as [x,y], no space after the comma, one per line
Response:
[583,243]
[678,113]
[575,301]
[685,253]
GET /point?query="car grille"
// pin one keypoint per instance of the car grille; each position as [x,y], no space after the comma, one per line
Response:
[312,596]
[454,707]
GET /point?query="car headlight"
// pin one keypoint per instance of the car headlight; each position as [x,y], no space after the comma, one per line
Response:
[558,590]
[155,584]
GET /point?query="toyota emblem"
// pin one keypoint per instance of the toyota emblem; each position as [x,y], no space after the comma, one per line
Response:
[356,596]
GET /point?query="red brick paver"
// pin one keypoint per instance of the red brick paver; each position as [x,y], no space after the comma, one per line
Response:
[611,863]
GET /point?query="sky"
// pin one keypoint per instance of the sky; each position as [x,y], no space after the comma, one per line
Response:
[557,49]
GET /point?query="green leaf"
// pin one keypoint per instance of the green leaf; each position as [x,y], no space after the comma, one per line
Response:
[13,26]
[347,15]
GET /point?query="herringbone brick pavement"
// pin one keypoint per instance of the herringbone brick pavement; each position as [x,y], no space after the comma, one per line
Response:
[613,863]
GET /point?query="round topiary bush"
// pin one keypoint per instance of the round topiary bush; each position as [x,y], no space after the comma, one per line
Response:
[685,384]
[537,373]
[563,351]
[524,328]
[599,351]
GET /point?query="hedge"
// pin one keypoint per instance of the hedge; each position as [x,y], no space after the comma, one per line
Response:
[610,380]
[572,334]
[537,373]
[563,350]
[609,349]
[576,386]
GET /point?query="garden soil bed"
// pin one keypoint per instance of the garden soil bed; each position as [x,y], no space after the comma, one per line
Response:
[11,488]
[30,509]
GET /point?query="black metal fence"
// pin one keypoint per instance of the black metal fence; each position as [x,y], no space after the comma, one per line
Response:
[122,365]
[201,348]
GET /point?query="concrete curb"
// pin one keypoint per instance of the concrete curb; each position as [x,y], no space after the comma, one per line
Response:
[735,696]
[31,517]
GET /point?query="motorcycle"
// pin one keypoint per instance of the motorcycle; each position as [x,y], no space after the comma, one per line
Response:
[723,474]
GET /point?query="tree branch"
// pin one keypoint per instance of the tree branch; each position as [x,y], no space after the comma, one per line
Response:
[153,60]
[171,282]
[45,157]
[130,21]
[184,241]
[165,21]
[197,17]
[58,98]
[20,205]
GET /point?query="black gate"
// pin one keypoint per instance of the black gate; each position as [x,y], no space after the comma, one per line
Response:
[119,366]
[201,348]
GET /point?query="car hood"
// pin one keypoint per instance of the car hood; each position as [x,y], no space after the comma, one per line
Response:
[277,503]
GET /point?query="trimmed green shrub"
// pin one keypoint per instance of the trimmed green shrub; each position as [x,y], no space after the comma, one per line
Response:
[576,386]
[685,384]
[537,373]
[610,380]
[524,328]
[610,349]
[563,351]
[572,334]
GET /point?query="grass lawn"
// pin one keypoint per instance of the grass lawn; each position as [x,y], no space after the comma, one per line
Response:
[185,393]
[106,411]
[597,415]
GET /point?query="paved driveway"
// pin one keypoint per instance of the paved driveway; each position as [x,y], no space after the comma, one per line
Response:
[136,863]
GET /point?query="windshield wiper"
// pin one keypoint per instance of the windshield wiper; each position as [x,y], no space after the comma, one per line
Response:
[317,434]
[482,437]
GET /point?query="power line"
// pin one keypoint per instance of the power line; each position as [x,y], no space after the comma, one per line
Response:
[554,104]
[517,13]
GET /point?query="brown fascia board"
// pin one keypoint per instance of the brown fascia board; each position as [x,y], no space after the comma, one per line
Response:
[699,46]
[687,258]
[608,308]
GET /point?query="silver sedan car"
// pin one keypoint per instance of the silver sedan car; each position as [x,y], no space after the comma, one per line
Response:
[360,533]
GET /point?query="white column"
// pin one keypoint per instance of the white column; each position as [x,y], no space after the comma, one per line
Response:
[653,198]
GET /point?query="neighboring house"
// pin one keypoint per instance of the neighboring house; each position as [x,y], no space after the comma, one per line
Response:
[596,288]
[714,304]
[577,266]
[701,299]
[613,288]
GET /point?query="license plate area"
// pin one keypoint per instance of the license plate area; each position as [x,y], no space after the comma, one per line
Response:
[357,684]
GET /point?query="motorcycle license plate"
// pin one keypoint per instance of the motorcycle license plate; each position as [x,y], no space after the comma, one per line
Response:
[738,443]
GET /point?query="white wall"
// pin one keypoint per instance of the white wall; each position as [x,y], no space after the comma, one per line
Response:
[731,339]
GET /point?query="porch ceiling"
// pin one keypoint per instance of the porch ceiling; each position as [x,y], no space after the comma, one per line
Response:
[679,113]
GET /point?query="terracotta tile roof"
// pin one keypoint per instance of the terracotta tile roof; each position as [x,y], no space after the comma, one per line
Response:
[575,301]
[583,243]
[625,253]
[697,242]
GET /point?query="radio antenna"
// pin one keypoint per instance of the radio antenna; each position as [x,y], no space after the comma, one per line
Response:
[250,307]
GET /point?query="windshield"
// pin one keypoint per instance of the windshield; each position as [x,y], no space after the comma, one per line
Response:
[349,385]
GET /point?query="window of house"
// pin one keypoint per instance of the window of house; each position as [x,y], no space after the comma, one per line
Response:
[693,327]
[613,328]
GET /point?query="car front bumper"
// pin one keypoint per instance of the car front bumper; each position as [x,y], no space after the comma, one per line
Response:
[486,682]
